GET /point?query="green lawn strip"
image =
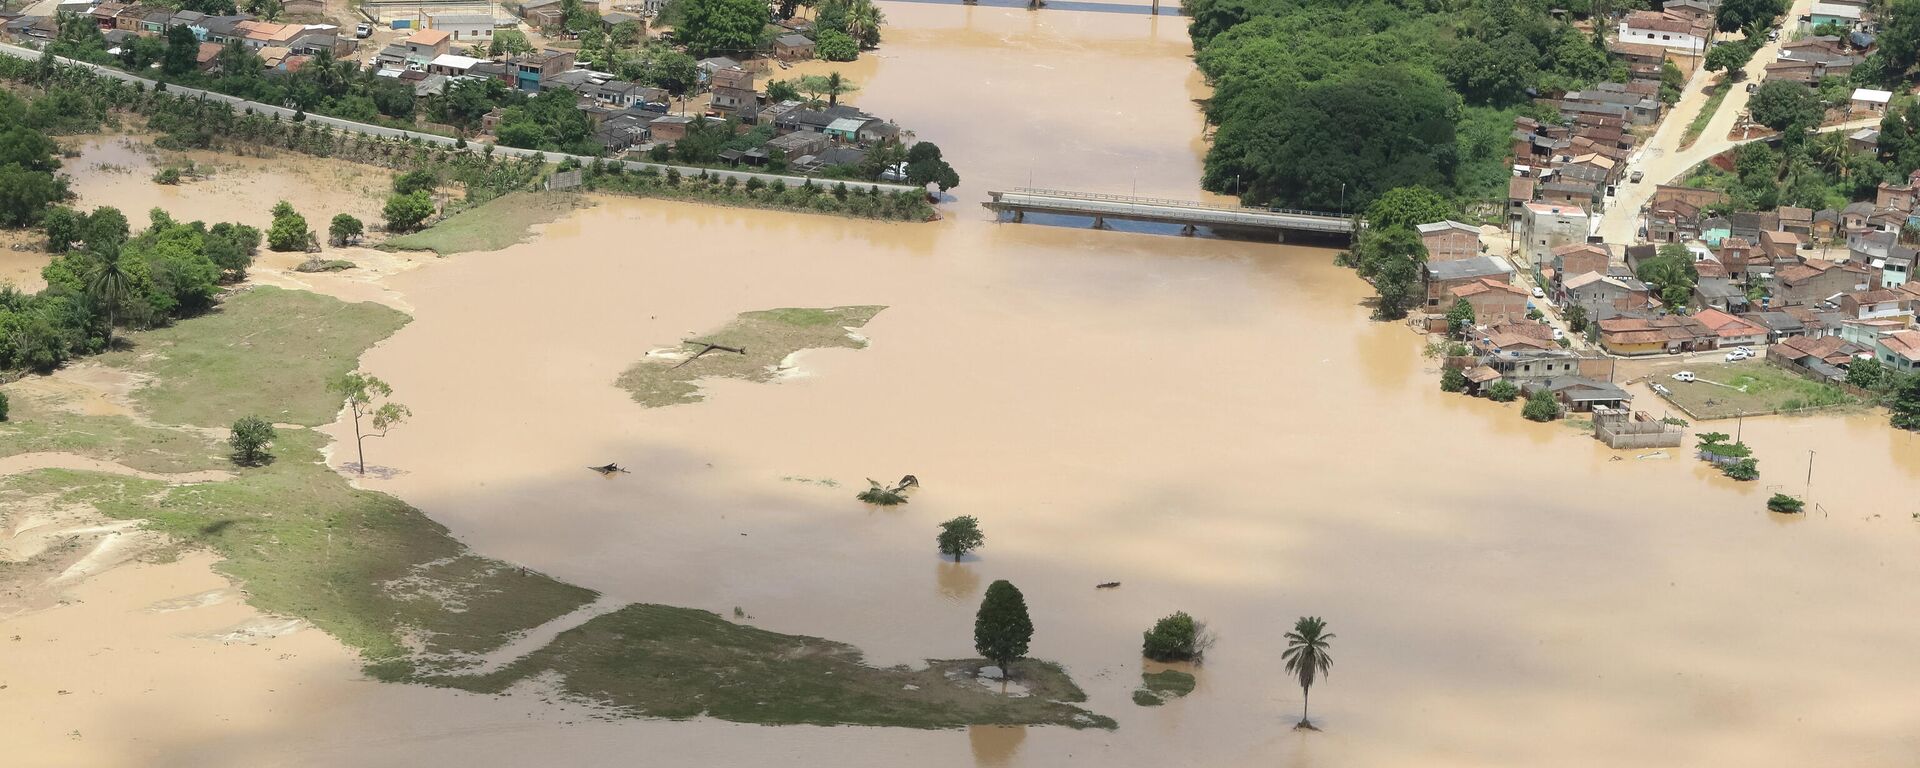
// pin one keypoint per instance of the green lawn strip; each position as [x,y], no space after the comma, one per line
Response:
[1753,388]
[662,661]
[1716,93]
[490,226]
[363,566]
[1157,688]
[768,336]
[36,426]
[266,351]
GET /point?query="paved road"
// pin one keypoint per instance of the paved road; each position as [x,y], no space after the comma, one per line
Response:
[393,133]
[1661,159]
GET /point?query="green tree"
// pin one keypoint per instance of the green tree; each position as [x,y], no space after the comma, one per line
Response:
[344,229]
[1452,380]
[1307,658]
[1906,402]
[1744,469]
[415,181]
[25,194]
[1576,316]
[1392,259]
[1785,106]
[1899,42]
[716,27]
[1460,319]
[1002,629]
[1753,15]
[289,231]
[3,406]
[1502,391]
[107,286]
[249,438]
[1175,638]
[1408,207]
[782,90]
[509,42]
[366,398]
[925,164]
[1785,504]
[1541,406]
[1731,57]
[65,228]
[405,213]
[183,51]
[960,536]
[1866,373]
[835,45]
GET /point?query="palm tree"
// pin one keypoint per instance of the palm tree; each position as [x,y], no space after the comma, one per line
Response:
[862,19]
[107,286]
[1307,658]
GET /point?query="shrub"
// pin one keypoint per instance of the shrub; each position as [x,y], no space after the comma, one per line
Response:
[1175,638]
[1452,380]
[1541,406]
[289,231]
[1785,504]
[881,495]
[3,406]
[960,536]
[1502,391]
[1744,469]
[167,176]
[249,439]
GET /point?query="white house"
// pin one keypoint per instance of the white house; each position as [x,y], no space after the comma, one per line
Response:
[1666,30]
[451,64]
[464,27]
[1868,100]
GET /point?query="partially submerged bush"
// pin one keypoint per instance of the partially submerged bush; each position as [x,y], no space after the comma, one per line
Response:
[1744,469]
[1785,504]
[1541,406]
[882,495]
[1176,638]
[1502,391]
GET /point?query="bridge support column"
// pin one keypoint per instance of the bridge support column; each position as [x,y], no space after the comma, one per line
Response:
[1099,222]
[1279,235]
[1019,215]
[1187,230]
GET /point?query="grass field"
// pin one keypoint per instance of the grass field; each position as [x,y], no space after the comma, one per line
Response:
[418,605]
[1716,93]
[1751,388]
[1158,688]
[768,337]
[490,226]
[266,352]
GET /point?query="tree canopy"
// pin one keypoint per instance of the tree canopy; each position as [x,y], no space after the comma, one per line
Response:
[1002,629]
[716,27]
[1785,106]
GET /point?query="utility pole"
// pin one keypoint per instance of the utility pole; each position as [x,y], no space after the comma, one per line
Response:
[1809,471]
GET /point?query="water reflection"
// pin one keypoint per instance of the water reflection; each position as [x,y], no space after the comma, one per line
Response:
[958,581]
[995,745]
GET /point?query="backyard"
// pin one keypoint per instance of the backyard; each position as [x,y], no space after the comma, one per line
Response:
[1751,388]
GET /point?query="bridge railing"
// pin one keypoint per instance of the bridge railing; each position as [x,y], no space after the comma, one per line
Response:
[1168,202]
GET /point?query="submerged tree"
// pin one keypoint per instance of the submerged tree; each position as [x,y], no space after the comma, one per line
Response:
[1002,629]
[960,536]
[364,397]
[1178,637]
[1307,658]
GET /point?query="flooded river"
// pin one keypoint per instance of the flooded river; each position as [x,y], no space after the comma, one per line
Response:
[1215,424]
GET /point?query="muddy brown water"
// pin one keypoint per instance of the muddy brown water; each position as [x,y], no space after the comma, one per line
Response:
[1216,424]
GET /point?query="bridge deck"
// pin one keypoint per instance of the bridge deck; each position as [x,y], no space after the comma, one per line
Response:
[1182,212]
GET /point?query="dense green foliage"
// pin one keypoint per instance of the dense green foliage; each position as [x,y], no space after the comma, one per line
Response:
[406,212]
[925,165]
[3,406]
[1866,374]
[1502,391]
[1783,503]
[1175,638]
[1905,403]
[1744,469]
[720,27]
[863,201]
[1392,259]
[344,229]
[835,45]
[1460,318]
[1002,629]
[1671,274]
[28,160]
[960,536]
[860,20]
[1786,106]
[1452,379]
[249,438]
[1541,406]
[1311,98]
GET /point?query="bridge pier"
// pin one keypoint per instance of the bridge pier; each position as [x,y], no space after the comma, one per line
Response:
[1187,230]
[1279,235]
[1019,215]
[1099,222]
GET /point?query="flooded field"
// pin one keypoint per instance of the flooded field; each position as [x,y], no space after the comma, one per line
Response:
[1214,424]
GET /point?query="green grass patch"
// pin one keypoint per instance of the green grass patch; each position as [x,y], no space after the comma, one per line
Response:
[1716,93]
[490,226]
[662,661]
[37,423]
[768,337]
[1752,388]
[266,352]
[1158,688]
[364,566]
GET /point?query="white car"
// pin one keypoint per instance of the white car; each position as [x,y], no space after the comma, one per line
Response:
[1684,377]
[1559,334]
[1661,389]
[1739,354]
[1538,293]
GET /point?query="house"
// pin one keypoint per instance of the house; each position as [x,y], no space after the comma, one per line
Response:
[256,34]
[1718,293]
[1796,220]
[793,47]
[669,129]
[1520,191]
[1732,330]
[1672,221]
[1815,281]
[1876,304]
[550,13]
[1897,349]
[1844,15]
[705,68]
[1864,140]
[1629,336]
[732,89]
[1749,224]
[617,133]
[1582,395]
[1493,300]
[847,129]
[426,45]
[452,65]
[1580,258]
[613,19]
[799,143]
[1449,240]
[1898,197]
[1779,325]
[1824,358]
[530,70]
[1826,223]
[1604,296]
[1868,101]
[1546,226]
[208,57]
[1780,247]
[466,28]
[1643,60]
[1666,30]
[1444,276]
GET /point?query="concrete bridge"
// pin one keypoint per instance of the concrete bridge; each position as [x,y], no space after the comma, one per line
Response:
[1189,215]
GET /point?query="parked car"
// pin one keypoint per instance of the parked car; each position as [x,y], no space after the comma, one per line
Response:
[1684,377]
[1559,334]
[1661,389]
[895,172]
[1638,175]
[1538,293]
[363,31]
[1751,87]
[1738,354]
